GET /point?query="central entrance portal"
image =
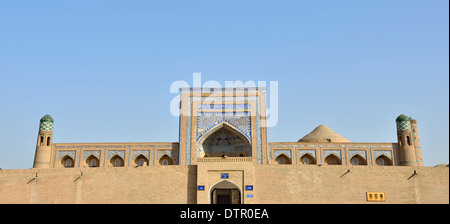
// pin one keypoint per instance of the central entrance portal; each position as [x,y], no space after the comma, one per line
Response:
[225,196]
[225,141]
[225,192]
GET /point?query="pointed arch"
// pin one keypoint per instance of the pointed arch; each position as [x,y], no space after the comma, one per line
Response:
[383,160]
[225,191]
[49,141]
[165,160]
[92,161]
[408,140]
[283,159]
[224,139]
[141,160]
[67,161]
[117,161]
[333,160]
[221,125]
[357,160]
[307,159]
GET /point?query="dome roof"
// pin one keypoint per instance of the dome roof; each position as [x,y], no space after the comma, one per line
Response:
[323,134]
[47,118]
[402,117]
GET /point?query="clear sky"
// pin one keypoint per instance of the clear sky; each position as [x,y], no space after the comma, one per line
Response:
[103,69]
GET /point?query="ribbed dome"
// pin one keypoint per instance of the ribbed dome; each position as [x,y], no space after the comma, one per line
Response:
[47,118]
[402,117]
[323,134]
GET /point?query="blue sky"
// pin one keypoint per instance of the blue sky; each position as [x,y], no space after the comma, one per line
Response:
[103,69]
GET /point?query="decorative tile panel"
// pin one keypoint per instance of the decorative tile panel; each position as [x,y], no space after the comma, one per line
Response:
[302,152]
[387,153]
[120,153]
[404,125]
[222,106]
[63,153]
[334,152]
[352,153]
[239,120]
[164,152]
[145,153]
[87,153]
[278,152]
[46,126]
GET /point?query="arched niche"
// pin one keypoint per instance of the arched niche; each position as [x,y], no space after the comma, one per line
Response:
[224,140]
[165,160]
[92,161]
[117,161]
[383,161]
[307,159]
[67,162]
[358,160]
[225,192]
[141,160]
[283,159]
[333,160]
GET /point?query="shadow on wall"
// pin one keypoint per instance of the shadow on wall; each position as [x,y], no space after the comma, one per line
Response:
[192,185]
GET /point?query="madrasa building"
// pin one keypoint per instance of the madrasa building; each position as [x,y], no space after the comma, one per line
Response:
[223,157]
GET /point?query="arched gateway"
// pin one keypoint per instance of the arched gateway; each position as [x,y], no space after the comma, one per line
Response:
[225,140]
[225,192]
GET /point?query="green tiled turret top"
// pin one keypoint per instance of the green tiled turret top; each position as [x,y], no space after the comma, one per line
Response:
[403,117]
[403,122]
[48,118]
[46,123]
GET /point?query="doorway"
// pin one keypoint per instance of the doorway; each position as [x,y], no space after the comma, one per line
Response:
[225,196]
[224,199]
[225,192]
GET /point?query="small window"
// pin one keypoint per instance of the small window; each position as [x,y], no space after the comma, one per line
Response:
[357,160]
[166,160]
[383,161]
[408,140]
[328,139]
[117,161]
[48,141]
[283,159]
[307,159]
[141,162]
[333,160]
[41,142]
[93,162]
[67,162]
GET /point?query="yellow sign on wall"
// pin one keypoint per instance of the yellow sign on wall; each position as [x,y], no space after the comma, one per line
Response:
[376,196]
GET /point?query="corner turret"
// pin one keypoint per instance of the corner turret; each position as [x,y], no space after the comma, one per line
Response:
[44,143]
[406,151]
